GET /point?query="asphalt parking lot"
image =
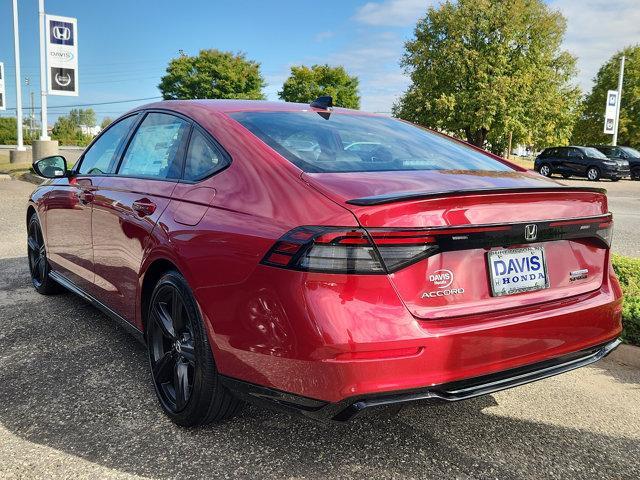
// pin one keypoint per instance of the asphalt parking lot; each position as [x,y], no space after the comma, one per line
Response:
[76,402]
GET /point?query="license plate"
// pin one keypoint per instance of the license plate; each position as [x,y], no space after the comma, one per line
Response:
[517,270]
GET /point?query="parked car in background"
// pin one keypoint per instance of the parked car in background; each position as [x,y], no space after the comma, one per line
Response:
[629,154]
[580,162]
[323,260]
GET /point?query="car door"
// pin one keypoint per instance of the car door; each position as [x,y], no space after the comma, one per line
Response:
[69,207]
[127,206]
[552,157]
[574,162]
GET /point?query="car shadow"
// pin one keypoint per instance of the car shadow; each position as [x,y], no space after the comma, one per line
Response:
[75,381]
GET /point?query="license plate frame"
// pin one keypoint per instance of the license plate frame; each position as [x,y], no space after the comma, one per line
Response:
[515,282]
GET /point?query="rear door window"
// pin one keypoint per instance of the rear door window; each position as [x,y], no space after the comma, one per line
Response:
[203,157]
[155,150]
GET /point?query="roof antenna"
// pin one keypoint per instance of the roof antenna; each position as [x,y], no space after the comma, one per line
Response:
[325,102]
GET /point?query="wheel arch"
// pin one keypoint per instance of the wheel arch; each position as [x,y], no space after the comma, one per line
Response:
[31,211]
[150,277]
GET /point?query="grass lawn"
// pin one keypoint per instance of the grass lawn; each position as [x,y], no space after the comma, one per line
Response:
[522,162]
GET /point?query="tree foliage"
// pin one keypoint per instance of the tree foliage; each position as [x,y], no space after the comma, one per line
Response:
[483,68]
[67,127]
[305,84]
[8,131]
[106,121]
[212,74]
[590,127]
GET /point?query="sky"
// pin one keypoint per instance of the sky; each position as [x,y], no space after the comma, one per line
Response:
[124,46]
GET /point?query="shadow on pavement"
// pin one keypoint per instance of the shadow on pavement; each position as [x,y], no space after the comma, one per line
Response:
[73,380]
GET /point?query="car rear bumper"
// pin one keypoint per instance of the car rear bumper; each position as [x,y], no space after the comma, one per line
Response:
[348,408]
[338,340]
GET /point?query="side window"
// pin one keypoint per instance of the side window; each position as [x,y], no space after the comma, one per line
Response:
[154,149]
[203,158]
[98,159]
[575,153]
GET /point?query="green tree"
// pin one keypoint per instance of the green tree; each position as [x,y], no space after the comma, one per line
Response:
[67,127]
[8,131]
[305,84]
[590,126]
[481,69]
[106,121]
[83,117]
[212,74]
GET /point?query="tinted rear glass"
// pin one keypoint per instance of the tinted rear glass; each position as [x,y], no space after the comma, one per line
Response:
[360,143]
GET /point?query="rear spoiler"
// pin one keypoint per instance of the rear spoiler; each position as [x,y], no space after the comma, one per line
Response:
[398,197]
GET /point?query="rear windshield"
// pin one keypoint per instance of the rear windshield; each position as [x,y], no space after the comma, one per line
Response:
[322,142]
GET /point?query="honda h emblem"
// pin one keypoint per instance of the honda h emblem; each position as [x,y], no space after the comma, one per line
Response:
[531,232]
[61,33]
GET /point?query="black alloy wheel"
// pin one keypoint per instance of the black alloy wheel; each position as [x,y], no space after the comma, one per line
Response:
[37,256]
[171,347]
[184,374]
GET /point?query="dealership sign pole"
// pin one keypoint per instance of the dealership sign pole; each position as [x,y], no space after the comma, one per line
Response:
[612,107]
[16,51]
[620,77]
[43,74]
[2,104]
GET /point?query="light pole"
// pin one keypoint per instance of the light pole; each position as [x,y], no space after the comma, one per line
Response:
[16,50]
[620,77]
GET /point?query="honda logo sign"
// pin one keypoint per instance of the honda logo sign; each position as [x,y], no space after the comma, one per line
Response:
[62,55]
[61,33]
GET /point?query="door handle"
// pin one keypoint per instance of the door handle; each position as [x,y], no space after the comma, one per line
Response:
[85,197]
[144,207]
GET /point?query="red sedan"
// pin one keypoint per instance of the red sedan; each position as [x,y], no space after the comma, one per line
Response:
[323,260]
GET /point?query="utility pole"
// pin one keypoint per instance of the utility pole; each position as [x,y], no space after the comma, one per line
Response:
[620,77]
[16,50]
[43,74]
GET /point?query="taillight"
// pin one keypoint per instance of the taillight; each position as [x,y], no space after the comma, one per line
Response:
[605,232]
[347,250]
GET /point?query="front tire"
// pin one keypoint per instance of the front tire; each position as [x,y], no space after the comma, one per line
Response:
[38,263]
[184,374]
[593,174]
[545,170]
[635,174]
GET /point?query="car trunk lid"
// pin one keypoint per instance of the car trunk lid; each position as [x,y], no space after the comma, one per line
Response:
[464,217]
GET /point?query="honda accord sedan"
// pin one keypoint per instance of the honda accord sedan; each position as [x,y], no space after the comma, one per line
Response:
[323,260]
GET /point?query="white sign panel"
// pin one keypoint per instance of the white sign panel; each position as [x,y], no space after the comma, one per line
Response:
[62,55]
[3,106]
[610,112]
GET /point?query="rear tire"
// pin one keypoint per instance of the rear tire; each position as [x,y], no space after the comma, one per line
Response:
[184,374]
[545,170]
[593,174]
[39,267]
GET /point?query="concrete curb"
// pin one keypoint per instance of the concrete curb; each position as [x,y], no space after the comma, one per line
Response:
[627,355]
[4,176]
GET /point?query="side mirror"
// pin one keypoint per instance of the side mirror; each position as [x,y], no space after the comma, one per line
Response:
[51,167]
